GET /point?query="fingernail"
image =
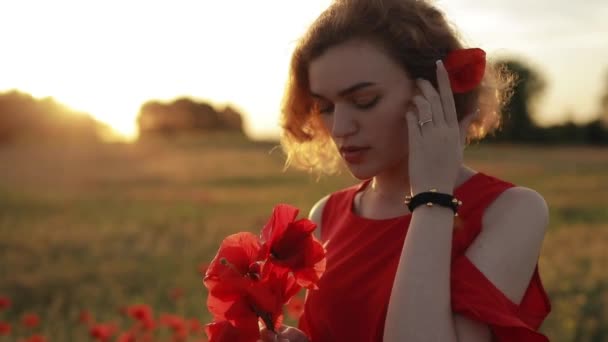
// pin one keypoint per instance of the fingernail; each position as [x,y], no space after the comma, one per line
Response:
[439,62]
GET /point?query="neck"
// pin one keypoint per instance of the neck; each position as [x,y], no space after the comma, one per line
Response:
[392,185]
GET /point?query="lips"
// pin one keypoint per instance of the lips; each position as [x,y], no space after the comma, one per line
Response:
[354,154]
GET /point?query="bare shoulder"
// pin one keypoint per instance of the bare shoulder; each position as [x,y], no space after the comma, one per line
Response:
[508,247]
[523,208]
[316,214]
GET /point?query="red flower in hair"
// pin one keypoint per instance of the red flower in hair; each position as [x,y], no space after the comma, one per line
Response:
[465,68]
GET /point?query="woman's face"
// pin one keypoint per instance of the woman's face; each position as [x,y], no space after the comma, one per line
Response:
[362,96]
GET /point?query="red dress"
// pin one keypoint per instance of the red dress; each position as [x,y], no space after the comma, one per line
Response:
[362,258]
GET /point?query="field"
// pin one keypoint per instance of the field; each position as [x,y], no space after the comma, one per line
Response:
[98,227]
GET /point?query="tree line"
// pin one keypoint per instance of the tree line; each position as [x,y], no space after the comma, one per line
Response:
[22,116]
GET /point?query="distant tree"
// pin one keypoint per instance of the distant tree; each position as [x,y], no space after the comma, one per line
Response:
[596,132]
[24,117]
[186,115]
[517,125]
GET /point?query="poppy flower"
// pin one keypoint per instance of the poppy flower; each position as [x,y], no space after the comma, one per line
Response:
[224,331]
[174,322]
[85,317]
[102,332]
[465,68]
[196,327]
[139,312]
[237,262]
[128,336]
[243,288]
[251,279]
[289,243]
[143,314]
[178,325]
[30,320]
[5,303]
[5,328]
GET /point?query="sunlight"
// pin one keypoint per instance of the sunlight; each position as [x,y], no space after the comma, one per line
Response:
[107,59]
[117,112]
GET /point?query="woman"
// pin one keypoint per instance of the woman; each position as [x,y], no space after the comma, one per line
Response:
[367,84]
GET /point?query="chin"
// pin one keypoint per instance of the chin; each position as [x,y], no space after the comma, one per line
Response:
[361,171]
[369,169]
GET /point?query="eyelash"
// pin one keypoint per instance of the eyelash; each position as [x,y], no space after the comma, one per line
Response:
[367,105]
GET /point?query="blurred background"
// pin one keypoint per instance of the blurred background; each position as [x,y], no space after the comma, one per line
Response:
[135,136]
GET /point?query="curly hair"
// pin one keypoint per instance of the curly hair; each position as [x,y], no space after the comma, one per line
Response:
[415,33]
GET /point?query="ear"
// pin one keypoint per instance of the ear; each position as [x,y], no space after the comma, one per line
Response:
[464,126]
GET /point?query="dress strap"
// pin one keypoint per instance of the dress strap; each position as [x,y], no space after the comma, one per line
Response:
[476,197]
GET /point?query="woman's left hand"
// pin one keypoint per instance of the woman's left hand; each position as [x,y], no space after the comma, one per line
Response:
[436,147]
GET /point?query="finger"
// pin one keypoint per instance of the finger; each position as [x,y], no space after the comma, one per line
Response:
[268,335]
[294,335]
[424,113]
[433,99]
[413,129]
[446,95]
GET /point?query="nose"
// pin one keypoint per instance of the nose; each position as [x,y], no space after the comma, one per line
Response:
[344,122]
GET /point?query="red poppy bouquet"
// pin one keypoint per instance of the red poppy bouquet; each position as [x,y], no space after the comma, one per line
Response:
[465,68]
[251,278]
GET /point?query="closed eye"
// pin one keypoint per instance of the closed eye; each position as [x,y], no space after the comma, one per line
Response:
[366,103]
[361,103]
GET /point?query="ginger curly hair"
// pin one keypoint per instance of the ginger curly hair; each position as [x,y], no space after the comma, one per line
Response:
[415,33]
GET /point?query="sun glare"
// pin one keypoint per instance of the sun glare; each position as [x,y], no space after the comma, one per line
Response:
[118,113]
[107,59]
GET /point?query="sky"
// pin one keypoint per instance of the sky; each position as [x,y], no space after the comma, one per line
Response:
[108,57]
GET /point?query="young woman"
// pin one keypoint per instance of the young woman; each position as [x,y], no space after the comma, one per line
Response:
[368,88]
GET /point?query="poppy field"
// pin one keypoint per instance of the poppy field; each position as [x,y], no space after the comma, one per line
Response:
[110,241]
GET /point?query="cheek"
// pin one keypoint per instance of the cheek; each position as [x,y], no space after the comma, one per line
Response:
[394,130]
[394,117]
[324,122]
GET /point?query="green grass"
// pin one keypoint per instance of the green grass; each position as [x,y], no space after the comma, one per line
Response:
[102,226]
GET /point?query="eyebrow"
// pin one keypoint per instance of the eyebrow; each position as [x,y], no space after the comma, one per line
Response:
[349,90]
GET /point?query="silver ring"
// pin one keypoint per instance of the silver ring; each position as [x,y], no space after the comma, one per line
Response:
[421,123]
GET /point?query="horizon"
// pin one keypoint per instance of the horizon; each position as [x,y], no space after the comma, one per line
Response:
[100,52]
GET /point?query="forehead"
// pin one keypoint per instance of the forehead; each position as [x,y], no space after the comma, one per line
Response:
[349,63]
